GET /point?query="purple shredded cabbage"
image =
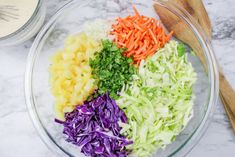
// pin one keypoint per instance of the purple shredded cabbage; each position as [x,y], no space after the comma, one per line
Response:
[94,127]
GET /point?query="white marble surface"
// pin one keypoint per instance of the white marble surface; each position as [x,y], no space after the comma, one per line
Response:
[19,138]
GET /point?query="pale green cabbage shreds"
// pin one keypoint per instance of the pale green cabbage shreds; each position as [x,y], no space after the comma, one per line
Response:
[159,102]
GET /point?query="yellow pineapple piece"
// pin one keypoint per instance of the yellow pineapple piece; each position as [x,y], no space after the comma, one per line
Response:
[70,74]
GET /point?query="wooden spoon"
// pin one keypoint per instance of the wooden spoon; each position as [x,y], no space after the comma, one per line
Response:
[197,10]
[185,34]
[229,113]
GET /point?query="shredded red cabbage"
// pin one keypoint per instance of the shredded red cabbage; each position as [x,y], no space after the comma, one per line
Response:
[94,127]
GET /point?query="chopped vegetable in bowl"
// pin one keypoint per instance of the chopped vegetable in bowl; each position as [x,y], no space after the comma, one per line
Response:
[141,35]
[71,76]
[159,102]
[94,126]
[111,69]
[122,88]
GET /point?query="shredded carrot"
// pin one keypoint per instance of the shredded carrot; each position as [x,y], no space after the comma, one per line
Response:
[142,36]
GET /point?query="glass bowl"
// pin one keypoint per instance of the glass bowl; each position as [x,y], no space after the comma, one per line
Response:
[29,29]
[69,20]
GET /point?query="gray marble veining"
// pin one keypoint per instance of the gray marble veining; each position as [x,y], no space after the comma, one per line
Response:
[19,138]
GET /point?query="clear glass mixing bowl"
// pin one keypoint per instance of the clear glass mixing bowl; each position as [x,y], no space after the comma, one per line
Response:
[69,20]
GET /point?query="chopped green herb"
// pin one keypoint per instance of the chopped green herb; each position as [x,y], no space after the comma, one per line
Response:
[181,49]
[111,69]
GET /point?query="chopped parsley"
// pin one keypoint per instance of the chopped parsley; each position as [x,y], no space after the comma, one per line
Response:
[111,69]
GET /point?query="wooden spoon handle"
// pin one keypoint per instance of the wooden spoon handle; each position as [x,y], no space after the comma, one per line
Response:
[229,112]
[227,93]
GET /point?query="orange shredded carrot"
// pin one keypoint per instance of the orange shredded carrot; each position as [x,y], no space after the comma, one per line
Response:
[141,35]
[136,11]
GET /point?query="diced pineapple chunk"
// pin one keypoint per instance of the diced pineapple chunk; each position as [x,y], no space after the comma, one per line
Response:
[70,74]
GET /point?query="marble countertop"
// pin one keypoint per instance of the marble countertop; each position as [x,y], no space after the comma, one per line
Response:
[19,138]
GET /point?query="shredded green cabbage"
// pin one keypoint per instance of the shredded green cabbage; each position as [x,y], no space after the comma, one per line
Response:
[98,29]
[159,102]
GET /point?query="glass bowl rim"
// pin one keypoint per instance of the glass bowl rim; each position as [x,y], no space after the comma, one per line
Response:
[213,77]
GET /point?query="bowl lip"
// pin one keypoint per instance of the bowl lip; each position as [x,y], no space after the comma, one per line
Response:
[213,77]
[26,24]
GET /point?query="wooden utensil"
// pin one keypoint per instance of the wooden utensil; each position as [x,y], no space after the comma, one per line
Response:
[197,10]
[185,34]
[229,113]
